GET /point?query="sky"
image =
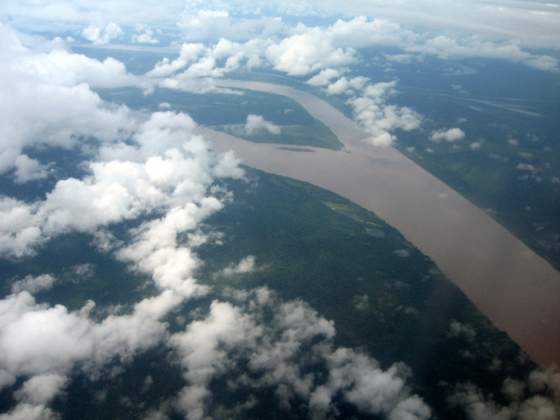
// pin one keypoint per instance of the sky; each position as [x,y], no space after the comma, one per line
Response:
[152,168]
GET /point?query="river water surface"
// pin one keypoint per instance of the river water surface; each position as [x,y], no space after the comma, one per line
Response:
[514,287]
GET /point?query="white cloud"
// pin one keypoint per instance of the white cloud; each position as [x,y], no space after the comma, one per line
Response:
[104,35]
[309,51]
[188,54]
[526,167]
[144,35]
[34,284]
[317,48]
[277,354]
[201,25]
[197,65]
[245,266]
[322,51]
[379,119]
[324,77]
[256,124]
[458,329]
[41,389]
[347,86]
[504,24]
[536,398]
[533,23]
[46,100]
[60,67]
[27,169]
[173,167]
[372,390]
[449,135]
[203,348]
[164,169]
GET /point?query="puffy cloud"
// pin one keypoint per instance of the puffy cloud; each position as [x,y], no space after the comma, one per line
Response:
[309,51]
[324,77]
[203,348]
[379,119]
[526,167]
[499,28]
[346,86]
[446,47]
[25,411]
[168,177]
[34,284]
[17,230]
[323,52]
[537,398]
[38,340]
[45,99]
[201,24]
[245,266]
[188,54]
[104,35]
[458,329]
[317,48]
[372,390]
[61,67]
[449,135]
[533,23]
[256,124]
[27,169]
[144,35]
[173,167]
[198,65]
[277,353]
[41,389]
[170,171]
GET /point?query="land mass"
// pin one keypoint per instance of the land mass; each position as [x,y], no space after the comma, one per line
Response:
[515,288]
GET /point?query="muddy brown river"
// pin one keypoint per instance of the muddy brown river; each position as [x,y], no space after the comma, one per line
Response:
[514,287]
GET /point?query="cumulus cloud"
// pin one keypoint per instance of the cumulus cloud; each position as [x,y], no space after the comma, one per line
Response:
[503,29]
[277,353]
[324,77]
[198,65]
[144,35]
[201,24]
[245,266]
[47,100]
[256,124]
[534,24]
[203,348]
[323,52]
[347,86]
[34,284]
[450,135]
[317,48]
[536,398]
[379,119]
[163,172]
[173,168]
[40,340]
[526,167]
[309,51]
[27,169]
[458,329]
[104,35]
[189,53]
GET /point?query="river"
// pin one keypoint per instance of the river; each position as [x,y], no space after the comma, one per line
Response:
[514,287]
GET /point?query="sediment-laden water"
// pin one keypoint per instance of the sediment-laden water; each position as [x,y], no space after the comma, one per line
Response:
[514,287]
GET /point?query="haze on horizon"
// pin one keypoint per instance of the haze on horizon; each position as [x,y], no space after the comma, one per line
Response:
[102,105]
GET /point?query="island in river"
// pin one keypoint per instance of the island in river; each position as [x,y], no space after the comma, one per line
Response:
[514,287]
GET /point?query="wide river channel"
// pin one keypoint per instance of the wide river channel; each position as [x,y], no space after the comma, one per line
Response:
[514,287]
